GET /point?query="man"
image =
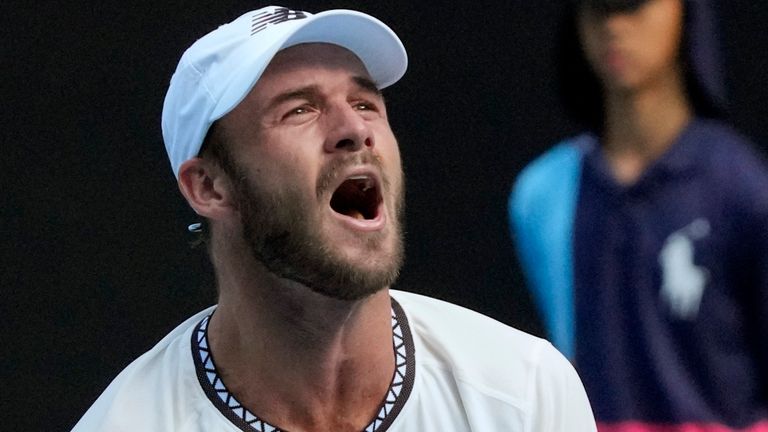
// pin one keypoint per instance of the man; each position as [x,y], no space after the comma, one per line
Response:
[645,240]
[278,134]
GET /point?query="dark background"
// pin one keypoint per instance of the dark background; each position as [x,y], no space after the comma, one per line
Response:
[96,266]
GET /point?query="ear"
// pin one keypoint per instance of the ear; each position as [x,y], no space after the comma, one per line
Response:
[206,188]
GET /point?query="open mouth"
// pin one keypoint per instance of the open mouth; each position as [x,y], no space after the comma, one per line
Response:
[358,197]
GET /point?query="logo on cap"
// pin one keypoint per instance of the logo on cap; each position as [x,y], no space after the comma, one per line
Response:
[260,21]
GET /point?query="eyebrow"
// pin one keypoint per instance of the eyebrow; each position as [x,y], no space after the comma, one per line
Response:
[311,91]
[308,92]
[366,84]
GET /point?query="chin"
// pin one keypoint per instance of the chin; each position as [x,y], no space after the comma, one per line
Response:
[360,276]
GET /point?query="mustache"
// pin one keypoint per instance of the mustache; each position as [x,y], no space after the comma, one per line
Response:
[330,172]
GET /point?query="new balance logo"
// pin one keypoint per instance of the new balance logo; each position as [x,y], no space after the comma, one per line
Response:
[278,15]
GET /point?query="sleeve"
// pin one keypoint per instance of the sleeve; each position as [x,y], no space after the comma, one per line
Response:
[560,403]
[97,418]
[541,214]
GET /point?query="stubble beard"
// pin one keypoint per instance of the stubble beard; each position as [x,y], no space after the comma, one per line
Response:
[283,233]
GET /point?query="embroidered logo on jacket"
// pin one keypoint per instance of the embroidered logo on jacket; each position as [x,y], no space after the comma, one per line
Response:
[683,282]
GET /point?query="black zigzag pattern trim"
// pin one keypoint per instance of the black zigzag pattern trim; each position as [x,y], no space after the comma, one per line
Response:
[215,389]
[405,371]
[234,411]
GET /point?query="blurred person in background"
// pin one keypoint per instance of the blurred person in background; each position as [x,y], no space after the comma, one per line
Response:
[645,239]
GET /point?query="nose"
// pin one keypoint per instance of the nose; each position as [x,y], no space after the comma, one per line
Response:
[347,130]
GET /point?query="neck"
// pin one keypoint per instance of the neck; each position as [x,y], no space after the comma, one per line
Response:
[327,363]
[643,123]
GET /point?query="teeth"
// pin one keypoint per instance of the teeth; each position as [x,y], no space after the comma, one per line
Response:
[366,182]
[356,214]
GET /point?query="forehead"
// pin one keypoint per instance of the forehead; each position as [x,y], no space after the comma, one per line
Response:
[301,70]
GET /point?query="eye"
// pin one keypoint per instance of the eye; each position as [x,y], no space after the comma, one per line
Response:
[364,106]
[298,113]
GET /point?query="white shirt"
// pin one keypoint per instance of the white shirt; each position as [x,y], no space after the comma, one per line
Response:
[457,371]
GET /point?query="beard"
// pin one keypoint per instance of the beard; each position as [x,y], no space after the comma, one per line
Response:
[284,234]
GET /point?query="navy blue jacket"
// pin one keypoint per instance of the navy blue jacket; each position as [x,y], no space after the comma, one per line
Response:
[657,291]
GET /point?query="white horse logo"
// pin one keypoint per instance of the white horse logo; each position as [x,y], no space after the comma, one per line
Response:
[683,281]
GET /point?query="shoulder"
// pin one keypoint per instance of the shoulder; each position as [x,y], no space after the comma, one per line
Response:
[474,347]
[560,163]
[494,365]
[450,323]
[724,147]
[564,152]
[733,162]
[150,385]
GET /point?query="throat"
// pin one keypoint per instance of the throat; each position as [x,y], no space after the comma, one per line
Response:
[627,168]
[331,381]
[639,131]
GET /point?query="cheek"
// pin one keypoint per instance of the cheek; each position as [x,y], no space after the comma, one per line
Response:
[658,56]
[393,154]
[589,39]
[288,154]
[282,171]
[665,32]
[395,172]
[389,150]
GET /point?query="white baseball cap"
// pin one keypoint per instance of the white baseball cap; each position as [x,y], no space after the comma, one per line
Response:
[216,73]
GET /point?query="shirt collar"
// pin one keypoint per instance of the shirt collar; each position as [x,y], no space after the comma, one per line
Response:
[679,160]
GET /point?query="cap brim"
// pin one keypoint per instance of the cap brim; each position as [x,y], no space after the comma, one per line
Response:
[375,44]
[611,6]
